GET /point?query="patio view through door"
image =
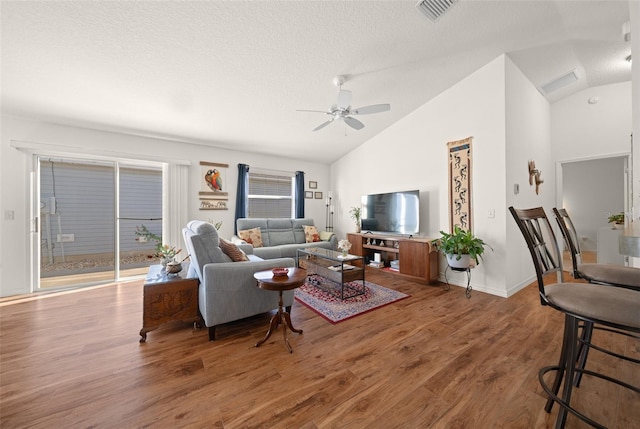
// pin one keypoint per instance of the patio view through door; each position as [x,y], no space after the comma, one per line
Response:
[90,218]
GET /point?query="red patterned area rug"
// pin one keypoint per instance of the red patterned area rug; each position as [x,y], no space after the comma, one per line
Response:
[325,299]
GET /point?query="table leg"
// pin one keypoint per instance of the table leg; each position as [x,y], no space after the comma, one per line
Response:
[287,320]
[281,317]
[273,325]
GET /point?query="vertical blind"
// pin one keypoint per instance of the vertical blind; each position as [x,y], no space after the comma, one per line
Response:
[270,195]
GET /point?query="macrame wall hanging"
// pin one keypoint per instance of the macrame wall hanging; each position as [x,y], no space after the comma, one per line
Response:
[460,213]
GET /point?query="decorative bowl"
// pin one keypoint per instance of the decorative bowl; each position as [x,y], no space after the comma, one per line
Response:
[280,272]
[174,267]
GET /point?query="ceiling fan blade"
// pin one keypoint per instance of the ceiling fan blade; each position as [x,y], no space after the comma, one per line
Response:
[314,111]
[353,123]
[344,99]
[322,125]
[376,108]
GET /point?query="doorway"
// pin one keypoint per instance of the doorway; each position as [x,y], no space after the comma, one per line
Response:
[89,215]
[591,190]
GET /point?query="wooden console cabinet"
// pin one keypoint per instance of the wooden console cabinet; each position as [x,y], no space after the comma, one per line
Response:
[418,257]
[168,298]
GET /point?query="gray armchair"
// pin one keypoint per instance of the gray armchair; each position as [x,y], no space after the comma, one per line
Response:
[228,289]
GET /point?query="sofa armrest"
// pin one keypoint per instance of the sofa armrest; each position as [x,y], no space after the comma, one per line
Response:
[237,240]
[229,292]
[230,275]
[246,248]
[334,241]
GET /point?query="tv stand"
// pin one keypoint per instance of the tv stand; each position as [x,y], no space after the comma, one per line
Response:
[418,258]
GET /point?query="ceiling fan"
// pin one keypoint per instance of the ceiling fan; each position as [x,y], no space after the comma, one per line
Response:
[342,109]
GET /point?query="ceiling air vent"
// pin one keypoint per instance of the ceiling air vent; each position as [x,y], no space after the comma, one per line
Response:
[434,9]
[558,83]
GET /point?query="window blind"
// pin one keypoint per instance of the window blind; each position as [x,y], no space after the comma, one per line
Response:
[270,195]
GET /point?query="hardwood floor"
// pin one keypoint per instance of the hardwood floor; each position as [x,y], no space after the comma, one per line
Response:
[434,360]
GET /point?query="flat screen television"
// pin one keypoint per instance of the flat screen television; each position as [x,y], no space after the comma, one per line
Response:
[392,212]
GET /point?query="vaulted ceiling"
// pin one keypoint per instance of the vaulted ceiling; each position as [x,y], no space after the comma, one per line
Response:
[234,73]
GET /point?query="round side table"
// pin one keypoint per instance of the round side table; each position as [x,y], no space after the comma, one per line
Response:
[266,280]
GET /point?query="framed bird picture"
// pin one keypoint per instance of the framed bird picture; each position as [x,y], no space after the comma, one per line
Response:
[214,194]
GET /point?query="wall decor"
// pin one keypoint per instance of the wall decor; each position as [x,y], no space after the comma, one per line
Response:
[318,195]
[308,194]
[213,193]
[460,208]
[313,185]
[210,204]
[534,176]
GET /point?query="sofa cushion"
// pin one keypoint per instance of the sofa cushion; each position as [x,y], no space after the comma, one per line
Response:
[249,223]
[280,232]
[232,251]
[298,229]
[311,234]
[252,236]
[206,245]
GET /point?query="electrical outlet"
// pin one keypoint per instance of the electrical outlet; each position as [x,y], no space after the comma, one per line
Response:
[492,213]
[9,215]
[66,238]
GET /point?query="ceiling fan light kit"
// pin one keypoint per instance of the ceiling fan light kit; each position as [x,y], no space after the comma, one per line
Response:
[342,109]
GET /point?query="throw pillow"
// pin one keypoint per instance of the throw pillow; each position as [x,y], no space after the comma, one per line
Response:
[311,234]
[252,236]
[326,235]
[232,251]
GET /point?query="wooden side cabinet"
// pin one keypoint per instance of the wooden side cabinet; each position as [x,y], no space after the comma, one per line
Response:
[169,298]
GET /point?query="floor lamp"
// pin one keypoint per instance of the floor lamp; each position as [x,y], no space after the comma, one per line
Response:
[329,216]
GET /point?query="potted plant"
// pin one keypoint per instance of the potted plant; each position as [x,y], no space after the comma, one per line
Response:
[355,213]
[616,220]
[460,247]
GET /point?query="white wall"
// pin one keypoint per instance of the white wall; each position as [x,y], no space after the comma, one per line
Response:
[580,130]
[15,271]
[411,154]
[634,12]
[528,138]
[592,190]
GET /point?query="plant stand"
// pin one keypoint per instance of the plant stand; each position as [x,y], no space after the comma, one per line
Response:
[468,270]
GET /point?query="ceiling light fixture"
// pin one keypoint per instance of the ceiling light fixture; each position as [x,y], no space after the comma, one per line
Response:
[558,83]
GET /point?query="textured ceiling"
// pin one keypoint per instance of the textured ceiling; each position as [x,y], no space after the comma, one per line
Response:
[232,74]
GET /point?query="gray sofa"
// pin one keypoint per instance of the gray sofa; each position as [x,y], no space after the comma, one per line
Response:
[281,237]
[228,290]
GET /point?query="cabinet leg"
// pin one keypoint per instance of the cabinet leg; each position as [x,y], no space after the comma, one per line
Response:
[143,335]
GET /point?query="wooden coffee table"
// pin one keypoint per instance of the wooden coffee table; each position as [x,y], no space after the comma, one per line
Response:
[267,281]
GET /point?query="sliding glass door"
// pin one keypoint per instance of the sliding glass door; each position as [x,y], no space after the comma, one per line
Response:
[89,212]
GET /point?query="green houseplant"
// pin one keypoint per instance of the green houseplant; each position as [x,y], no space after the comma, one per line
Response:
[460,247]
[616,220]
[356,213]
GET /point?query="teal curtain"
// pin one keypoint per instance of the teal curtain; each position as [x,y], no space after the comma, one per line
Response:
[242,196]
[299,197]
